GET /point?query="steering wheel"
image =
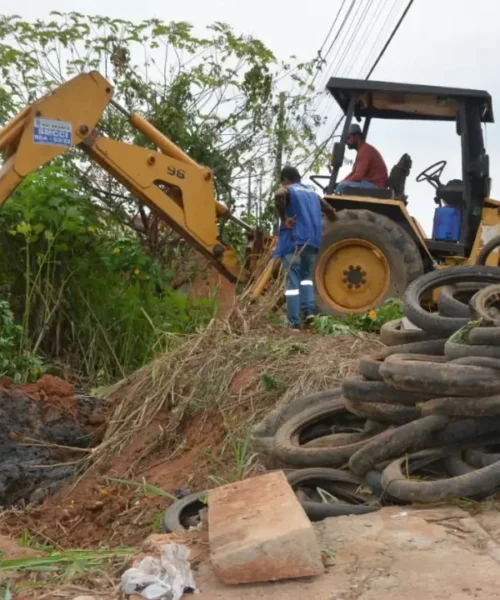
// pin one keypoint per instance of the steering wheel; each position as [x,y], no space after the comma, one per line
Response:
[433,173]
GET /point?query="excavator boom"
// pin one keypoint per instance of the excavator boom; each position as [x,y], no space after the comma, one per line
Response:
[168,181]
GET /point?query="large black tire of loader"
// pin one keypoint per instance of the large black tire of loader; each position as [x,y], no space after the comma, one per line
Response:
[400,251]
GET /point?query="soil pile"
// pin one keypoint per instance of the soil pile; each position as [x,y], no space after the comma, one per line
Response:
[183,422]
[42,427]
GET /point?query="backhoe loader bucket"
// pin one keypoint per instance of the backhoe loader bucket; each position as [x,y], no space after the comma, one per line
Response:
[51,126]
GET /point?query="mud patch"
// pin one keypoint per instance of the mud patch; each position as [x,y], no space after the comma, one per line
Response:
[42,426]
[97,510]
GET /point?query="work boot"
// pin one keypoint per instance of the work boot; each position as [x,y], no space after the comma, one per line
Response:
[309,317]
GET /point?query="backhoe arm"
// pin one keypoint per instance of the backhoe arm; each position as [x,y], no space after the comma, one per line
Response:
[168,181]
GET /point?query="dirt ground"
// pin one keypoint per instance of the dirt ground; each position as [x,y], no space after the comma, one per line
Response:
[97,510]
[428,554]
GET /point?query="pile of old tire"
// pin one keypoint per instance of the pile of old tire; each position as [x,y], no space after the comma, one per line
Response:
[429,408]
[457,288]
[420,423]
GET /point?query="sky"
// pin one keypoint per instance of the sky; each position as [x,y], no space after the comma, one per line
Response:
[441,42]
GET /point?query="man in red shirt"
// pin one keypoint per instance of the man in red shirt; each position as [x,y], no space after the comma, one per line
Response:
[369,170]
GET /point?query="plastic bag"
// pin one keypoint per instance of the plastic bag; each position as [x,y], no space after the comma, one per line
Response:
[166,578]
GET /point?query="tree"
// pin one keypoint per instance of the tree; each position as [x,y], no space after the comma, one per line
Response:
[216,96]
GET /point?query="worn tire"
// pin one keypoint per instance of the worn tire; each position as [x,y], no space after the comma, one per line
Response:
[283,412]
[482,303]
[400,252]
[180,510]
[453,300]
[454,350]
[434,322]
[369,366]
[416,373]
[318,476]
[488,406]
[335,440]
[487,249]
[470,484]
[358,389]
[484,336]
[317,511]
[387,413]
[479,459]
[455,466]
[411,437]
[478,361]
[392,334]
[288,449]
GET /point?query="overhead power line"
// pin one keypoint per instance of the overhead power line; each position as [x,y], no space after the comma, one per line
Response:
[375,64]
[391,37]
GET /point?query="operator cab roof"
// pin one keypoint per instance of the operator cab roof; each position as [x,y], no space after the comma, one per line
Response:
[384,100]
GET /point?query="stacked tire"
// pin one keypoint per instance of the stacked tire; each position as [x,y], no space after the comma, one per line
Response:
[419,423]
[426,405]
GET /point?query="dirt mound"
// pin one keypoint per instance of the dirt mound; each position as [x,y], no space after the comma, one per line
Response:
[183,422]
[97,509]
[40,424]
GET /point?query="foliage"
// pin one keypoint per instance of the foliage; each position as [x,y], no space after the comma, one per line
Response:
[15,362]
[354,323]
[83,287]
[216,95]
[68,565]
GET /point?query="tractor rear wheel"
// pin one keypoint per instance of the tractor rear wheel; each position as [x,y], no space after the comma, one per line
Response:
[364,259]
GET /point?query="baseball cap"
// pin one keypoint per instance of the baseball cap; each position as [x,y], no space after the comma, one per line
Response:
[354,129]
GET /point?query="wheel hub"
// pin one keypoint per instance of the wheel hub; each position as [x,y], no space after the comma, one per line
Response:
[354,276]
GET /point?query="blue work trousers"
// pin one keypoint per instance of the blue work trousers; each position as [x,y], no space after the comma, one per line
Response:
[341,186]
[299,283]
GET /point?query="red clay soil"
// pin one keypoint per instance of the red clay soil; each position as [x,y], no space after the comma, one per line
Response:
[96,511]
[49,390]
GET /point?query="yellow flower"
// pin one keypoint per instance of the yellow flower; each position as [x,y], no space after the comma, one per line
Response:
[136,272]
[116,250]
[90,229]
[373,315]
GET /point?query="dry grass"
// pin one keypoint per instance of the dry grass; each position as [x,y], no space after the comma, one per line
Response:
[201,373]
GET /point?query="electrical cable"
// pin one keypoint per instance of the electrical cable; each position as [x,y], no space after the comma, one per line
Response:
[375,64]
[387,44]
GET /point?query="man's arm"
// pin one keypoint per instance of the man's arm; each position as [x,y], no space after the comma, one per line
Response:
[280,200]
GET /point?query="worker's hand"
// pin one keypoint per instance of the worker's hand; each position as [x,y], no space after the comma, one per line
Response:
[290,222]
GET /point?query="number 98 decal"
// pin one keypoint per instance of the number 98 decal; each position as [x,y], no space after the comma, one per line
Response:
[179,173]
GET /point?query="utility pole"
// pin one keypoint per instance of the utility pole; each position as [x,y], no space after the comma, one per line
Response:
[249,196]
[280,131]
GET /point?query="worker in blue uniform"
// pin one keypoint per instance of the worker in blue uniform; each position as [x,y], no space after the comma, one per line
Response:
[299,209]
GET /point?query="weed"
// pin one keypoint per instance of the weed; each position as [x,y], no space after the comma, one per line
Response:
[83,286]
[147,488]
[269,382]
[353,324]
[240,463]
[64,566]
[15,361]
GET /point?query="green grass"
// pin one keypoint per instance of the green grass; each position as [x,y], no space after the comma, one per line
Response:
[62,567]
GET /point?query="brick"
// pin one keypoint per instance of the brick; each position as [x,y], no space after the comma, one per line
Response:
[258,531]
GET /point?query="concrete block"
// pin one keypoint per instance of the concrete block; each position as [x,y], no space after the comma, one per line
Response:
[258,531]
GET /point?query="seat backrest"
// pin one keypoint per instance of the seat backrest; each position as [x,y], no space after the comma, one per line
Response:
[398,175]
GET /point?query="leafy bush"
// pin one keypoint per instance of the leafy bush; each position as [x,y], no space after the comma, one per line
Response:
[370,321]
[15,362]
[82,286]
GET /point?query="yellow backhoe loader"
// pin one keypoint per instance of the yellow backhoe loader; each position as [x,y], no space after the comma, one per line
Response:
[372,247]
[375,248]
